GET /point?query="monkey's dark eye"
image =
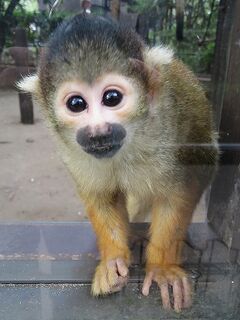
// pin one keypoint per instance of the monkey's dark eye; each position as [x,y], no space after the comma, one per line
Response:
[112,98]
[76,104]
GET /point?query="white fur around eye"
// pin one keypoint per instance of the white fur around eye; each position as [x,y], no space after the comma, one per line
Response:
[28,83]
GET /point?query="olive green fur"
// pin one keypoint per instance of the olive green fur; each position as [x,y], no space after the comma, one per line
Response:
[173,139]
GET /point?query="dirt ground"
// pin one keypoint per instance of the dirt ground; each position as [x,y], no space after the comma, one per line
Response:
[34,184]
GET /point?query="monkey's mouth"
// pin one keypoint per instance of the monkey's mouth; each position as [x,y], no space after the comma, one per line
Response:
[103,151]
[103,142]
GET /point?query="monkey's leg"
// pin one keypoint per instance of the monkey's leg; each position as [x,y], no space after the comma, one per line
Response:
[170,219]
[111,227]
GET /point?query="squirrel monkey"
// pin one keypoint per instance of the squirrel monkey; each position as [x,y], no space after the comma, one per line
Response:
[133,125]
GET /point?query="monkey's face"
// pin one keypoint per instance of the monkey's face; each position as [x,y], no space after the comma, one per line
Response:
[97,113]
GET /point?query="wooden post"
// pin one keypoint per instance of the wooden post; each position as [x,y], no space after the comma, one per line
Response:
[115,9]
[25,100]
[224,206]
[20,37]
[26,108]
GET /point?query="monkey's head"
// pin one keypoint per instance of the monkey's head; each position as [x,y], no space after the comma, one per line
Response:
[92,81]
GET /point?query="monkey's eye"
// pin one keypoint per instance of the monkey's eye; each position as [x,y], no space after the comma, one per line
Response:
[112,98]
[76,104]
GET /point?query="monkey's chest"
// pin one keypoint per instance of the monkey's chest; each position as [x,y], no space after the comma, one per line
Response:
[144,180]
[140,180]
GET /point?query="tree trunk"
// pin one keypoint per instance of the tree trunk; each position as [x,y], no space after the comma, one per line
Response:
[2,35]
[115,9]
[142,26]
[170,18]
[179,19]
[208,21]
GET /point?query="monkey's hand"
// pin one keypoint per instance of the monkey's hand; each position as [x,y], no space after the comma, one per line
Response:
[169,277]
[110,276]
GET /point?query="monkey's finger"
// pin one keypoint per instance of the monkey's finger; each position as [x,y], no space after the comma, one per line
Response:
[106,280]
[112,275]
[122,267]
[95,287]
[111,264]
[147,284]
[178,295]
[187,292]
[99,285]
[122,281]
[165,296]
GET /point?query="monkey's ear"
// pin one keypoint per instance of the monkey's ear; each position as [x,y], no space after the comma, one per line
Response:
[29,84]
[154,59]
[158,56]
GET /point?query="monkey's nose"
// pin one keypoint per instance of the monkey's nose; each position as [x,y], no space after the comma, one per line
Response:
[102,142]
[99,130]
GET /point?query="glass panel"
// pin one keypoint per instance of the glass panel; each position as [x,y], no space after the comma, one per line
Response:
[48,249]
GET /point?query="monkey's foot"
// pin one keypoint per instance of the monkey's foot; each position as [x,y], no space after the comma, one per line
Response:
[171,278]
[110,276]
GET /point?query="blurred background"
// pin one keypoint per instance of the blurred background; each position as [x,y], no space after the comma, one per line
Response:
[189,26]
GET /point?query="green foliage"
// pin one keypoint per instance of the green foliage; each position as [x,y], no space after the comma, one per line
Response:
[38,24]
[196,49]
[198,55]
[208,56]
[200,20]
[141,6]
[42,25]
